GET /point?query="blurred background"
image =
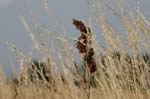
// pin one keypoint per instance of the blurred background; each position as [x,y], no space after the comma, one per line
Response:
[60,21]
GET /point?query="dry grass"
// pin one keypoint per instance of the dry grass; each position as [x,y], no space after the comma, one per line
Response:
[116,75]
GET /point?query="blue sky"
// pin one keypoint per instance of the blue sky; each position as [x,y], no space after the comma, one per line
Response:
[12,30]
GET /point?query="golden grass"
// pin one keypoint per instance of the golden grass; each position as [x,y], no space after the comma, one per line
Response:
[115,78]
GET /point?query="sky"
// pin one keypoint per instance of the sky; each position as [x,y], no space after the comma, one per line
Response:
[6,2]
[12,29]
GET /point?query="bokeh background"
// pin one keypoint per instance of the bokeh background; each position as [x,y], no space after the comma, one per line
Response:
[63,11]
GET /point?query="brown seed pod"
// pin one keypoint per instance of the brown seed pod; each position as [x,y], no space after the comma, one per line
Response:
[83,43]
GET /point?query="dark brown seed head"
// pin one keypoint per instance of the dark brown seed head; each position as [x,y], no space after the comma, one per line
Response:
[82,45]
[80,26]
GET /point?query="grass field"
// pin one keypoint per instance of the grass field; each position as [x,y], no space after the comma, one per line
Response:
[85,69]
